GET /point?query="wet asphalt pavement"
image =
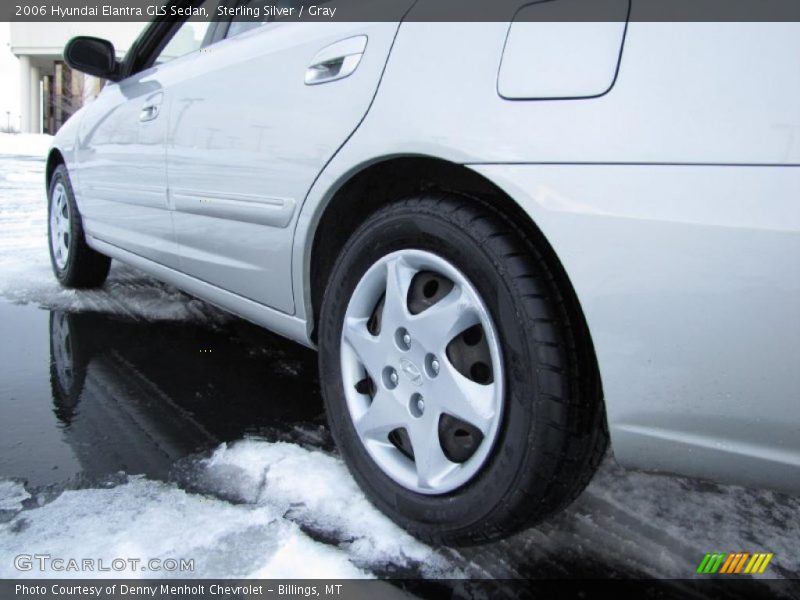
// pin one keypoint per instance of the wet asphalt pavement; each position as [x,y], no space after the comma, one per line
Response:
[94,388]
[86,398]
[87,395]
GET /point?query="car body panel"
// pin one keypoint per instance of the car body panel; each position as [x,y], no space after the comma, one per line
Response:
[688,278]
[121,167]
[245,110]
[675,211]
[288,326]
[675,100]
[672,202]
[460,113]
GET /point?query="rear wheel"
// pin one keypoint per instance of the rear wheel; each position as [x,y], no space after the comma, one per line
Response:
[457,386]
[74,263]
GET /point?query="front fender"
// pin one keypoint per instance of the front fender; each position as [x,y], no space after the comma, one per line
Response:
[64,150]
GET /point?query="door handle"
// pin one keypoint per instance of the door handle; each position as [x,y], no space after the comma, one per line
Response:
[337,61]
[151,108]
[149,112]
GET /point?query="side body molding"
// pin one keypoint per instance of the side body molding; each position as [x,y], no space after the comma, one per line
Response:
[248,208]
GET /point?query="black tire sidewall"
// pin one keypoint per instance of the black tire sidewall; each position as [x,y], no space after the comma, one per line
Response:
[473,502]
[66,274]
[59,176]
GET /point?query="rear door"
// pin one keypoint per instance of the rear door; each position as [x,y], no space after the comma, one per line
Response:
[264,111]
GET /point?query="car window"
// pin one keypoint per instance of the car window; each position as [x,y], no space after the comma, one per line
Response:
[188,38]
[254,13]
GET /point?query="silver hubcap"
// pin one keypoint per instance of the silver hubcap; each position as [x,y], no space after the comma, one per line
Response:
[60,231]
[422,370]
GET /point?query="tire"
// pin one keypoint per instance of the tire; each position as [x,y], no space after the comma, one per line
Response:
[551,432]
[70,353]
[74,263]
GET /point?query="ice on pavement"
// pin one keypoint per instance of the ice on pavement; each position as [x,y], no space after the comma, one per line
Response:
[280,492]
[704,514]
[12,495]
[25,272]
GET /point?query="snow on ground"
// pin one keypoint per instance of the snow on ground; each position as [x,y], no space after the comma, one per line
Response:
[317,491]
[25,144]
[260,499]
[129,521]
[25,272]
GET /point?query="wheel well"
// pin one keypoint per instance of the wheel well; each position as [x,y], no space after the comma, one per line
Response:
[394,179]
[54,159]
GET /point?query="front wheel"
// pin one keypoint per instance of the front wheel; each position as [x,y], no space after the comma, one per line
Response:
[457,385]
[75,264]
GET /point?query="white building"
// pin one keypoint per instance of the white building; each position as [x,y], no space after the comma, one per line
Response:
[49,90]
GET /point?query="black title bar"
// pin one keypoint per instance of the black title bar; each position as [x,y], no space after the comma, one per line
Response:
[408,10]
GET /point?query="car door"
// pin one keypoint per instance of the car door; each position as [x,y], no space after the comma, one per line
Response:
[264,112]
[121,154]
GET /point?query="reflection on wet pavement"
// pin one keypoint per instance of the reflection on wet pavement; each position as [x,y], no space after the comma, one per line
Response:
[136,397]
[88,400]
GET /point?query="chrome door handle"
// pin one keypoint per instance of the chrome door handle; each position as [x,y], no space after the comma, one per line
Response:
[151,107]
[149,112]
[337,61]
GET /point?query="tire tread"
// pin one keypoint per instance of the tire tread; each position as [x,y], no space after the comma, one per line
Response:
[571,403]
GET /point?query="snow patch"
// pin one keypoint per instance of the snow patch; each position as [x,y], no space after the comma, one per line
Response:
[130,521]
[317,491]
[25,144]
[255,509]
[12,495]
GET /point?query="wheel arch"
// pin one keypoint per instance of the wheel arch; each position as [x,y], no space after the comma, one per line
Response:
[54,159]
[374,185]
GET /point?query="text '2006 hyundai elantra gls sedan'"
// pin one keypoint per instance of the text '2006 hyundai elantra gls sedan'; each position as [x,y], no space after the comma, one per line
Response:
[512,242]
